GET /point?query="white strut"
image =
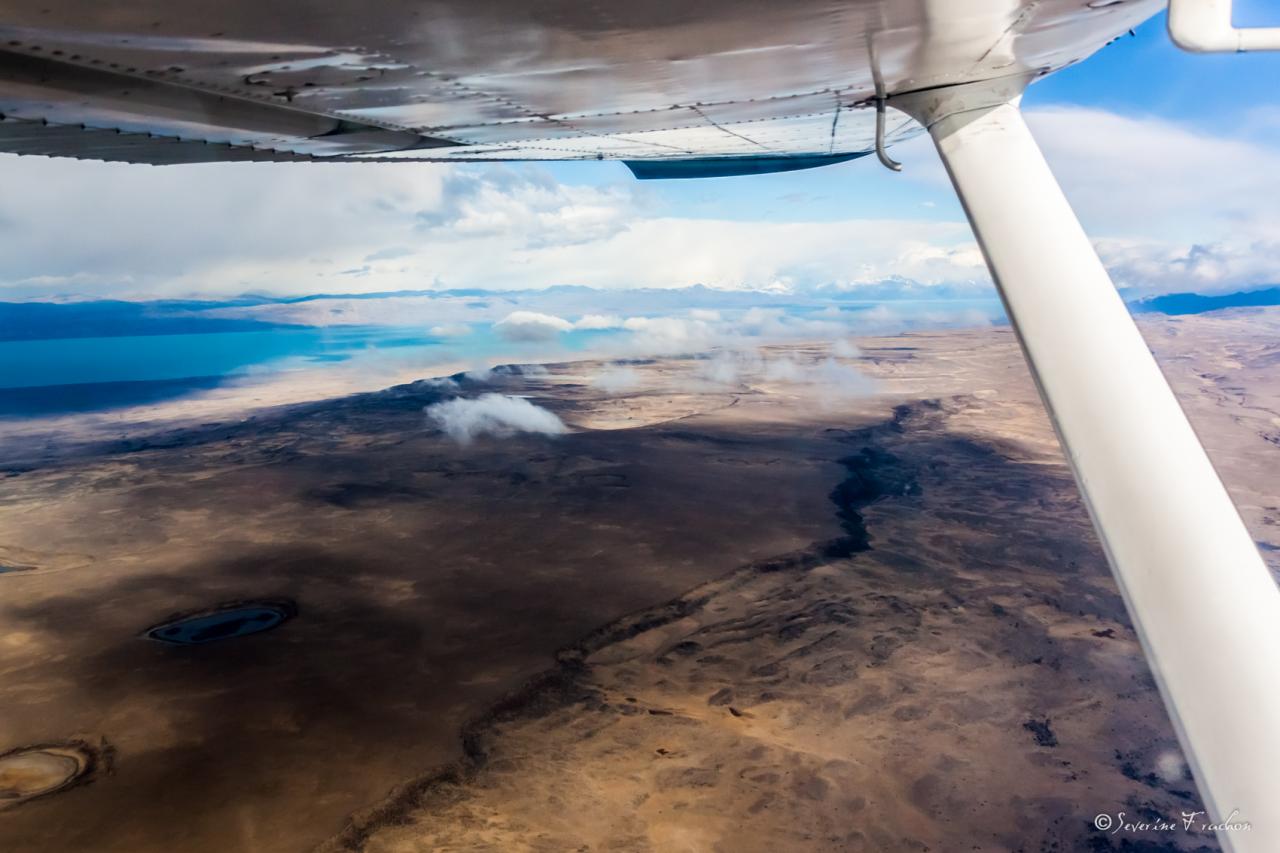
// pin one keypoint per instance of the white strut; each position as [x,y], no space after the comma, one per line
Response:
[1203,603]
[1204,26]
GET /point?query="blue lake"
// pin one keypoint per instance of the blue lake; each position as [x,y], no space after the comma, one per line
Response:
[222,625]
[67,361]
[67,375]
[44,377]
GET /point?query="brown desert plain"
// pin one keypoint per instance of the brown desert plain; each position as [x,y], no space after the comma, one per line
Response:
[745,609]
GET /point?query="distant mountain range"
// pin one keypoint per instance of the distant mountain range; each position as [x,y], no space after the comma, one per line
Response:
[1197,303]
[31,321]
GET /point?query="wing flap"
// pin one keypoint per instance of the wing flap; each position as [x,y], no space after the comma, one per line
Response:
[20,136]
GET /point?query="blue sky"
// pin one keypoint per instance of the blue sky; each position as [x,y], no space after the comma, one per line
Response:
[1148,74]
[1172,161]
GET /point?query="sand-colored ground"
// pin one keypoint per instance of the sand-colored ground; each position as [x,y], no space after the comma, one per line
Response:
[36,771]
[742,615]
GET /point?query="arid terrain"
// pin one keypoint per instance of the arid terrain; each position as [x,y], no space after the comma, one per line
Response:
[731,609]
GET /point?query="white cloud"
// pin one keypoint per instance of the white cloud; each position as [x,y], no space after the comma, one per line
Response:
[437,383]
[531,326]
[842,348]
[1171,767]
[598,321]
[834,380]
[529,204]
[723,368]
[1171,207]
[1144,176]
[497,374]
[737,332]
[784,369]
[616,378]
[827,381]
[121,230]
[1158,266]
[889,318]
[830,379]
[777,323]
[779,256]
[125,230]
[450,330]
[668,334]
[498,415]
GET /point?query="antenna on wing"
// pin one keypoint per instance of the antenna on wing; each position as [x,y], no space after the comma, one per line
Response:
[883,155]
[873,53]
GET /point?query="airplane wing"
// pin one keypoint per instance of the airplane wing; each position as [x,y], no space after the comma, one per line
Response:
[153,81]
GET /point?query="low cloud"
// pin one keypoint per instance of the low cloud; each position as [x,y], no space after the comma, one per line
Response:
[668,335]
[526,326]
[777,323]
[497,415]
[500,373]
[841,348]
[617,378]
[829,379]
[890,319]
[1171,767]
[450,330]
[834,379]
[598,321]
[727,368]
[783,370]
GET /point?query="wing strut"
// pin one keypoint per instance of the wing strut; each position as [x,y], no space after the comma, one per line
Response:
[1204,605]
[1205,26]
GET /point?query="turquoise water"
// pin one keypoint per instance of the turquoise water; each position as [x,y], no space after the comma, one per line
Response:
[79,375]
[62,376]
[25,364]
[71,375]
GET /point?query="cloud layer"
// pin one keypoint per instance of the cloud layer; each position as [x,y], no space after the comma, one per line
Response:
[1170,206]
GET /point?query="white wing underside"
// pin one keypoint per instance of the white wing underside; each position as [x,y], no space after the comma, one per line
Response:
[157,81]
